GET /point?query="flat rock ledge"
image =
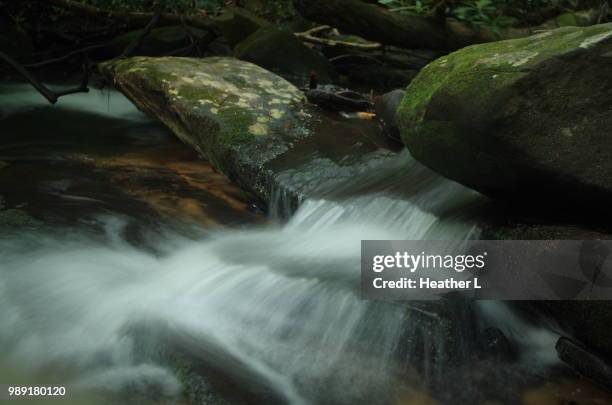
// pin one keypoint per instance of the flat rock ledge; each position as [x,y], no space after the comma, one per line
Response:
[236,114]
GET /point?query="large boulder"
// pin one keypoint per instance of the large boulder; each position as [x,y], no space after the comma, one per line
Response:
[236,114]
[279,51]
[529,116]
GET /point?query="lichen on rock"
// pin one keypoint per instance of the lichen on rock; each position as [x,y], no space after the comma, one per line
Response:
[236,114]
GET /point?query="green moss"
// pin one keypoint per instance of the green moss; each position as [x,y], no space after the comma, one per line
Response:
[474,72]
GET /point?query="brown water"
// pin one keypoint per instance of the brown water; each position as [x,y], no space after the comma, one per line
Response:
[95,155]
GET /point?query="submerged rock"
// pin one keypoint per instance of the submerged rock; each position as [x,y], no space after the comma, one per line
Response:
[281,52]
[521,117]
[236,114]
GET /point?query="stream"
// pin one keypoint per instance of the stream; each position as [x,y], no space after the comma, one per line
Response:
[132,272]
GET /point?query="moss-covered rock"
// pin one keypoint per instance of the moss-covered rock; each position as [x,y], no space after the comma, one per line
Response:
[279,51]
[520,117]
[234,113]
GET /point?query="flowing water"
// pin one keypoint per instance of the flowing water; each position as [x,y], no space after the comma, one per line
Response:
[99,293]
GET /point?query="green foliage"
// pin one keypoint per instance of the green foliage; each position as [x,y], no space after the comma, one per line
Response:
[274,9]
[494,15]
[175,6]
[418,7]
[484,13]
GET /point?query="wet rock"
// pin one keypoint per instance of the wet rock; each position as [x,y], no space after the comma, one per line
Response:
[381,76]
[495,344]
[537,228]
[236,24]
[588,322]
[220,47]
[160,41]
[586,363]
[236,114]
[521,117]
[281,52]
[386,108]
[254,127]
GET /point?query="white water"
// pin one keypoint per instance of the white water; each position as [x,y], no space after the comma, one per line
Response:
[277,305]
[283,301]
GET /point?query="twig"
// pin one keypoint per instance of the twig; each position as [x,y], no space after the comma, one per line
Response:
[66,56]
[50,95]
[336,102]
[137,42]
[308,36]
[355,59]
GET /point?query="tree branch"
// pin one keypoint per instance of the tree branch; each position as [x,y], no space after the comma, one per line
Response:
[137,42]
[47,93]
[308,36]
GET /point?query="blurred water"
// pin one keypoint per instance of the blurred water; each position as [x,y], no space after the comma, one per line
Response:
[277,305]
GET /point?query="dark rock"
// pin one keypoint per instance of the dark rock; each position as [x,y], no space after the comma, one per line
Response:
[529,116]
[386,108]
[236,24]
[586,363]
[220,47]
[381,76]
[587,321]
[282,53]
[495,344]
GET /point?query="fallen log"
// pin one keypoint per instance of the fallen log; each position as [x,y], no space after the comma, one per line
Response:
[198,20]
[381,25]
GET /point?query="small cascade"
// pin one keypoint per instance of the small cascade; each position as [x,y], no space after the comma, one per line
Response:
[276,307]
